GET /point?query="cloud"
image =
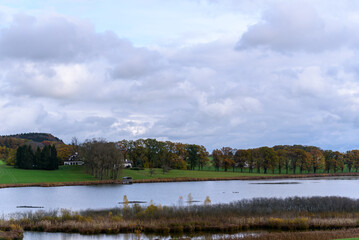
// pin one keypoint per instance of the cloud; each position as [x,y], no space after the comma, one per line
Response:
[294,26]
[54,56]
[71,80]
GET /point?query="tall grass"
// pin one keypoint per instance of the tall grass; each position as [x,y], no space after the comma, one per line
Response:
[10,231]
[308,235]
[268,214]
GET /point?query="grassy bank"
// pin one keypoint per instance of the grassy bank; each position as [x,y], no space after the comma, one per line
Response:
[290,214]
[75,175]
[11,175]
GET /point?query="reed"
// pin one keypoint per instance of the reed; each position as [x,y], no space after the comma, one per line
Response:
[10,231]
[290,214]
[308,235]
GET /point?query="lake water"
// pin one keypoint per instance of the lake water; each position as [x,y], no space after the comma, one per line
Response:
[108,196]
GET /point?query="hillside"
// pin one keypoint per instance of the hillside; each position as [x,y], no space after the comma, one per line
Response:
[37,139]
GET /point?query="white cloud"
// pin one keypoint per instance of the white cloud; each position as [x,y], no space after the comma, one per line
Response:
[294,26]
[293,81]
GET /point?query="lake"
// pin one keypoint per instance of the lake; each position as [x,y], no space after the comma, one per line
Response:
[109,196]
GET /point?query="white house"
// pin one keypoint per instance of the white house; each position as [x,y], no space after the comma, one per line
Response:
[72,160]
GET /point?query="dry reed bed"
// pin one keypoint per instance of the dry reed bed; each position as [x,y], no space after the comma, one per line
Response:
[309,235]
[290,214]
[9,231]
[180,179]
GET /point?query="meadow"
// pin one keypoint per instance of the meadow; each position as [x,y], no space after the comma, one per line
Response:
[76,175]
[11,175]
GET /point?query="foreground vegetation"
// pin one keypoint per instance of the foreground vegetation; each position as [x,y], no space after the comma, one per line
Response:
[11,232]
[290,214]
[308,235]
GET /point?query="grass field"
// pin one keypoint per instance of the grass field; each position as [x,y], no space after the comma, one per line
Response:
[145,174]
[10,175]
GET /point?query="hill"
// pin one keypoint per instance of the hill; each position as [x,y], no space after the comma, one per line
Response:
[37,139]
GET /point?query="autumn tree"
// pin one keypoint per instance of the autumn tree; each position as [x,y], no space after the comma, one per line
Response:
[269,158]
[339,161]
[355,156]
[227,157]
[329,158]
[241,157]
[317,160]
[203,157]
[283,160]
[257,159]
[217,156]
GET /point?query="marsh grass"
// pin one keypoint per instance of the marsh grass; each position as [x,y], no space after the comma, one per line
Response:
[308,235]
[289,214]
[10,231]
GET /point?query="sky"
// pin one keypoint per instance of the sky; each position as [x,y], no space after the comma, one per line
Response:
[237,73]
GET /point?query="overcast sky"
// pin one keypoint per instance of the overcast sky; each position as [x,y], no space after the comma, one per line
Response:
[238,73]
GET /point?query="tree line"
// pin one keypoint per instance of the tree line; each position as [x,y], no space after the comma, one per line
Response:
[283,158]
[45,158]
[150,153]
[105,159]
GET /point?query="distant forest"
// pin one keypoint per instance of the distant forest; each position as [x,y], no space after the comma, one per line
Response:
[104,159]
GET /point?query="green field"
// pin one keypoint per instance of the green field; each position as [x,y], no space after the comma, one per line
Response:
[145,174]
[10,175]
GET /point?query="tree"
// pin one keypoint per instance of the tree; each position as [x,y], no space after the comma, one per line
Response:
[355,156]
[317,160]
[53,161]
[203,157]
[283,160]
[303,159]
[329,158]
[182,155]
[217,156]
[103,159]
[269,158]
[241,157]
[24,157]
[227,158]
[339,161]
[193,155]
[257,158]
[293,158]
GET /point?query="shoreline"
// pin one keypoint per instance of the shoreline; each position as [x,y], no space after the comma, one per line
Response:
[164,180]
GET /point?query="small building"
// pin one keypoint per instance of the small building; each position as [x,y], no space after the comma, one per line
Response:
[127,180]
[72,160]
[127,164]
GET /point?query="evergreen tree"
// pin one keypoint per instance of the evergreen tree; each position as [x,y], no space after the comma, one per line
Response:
[53,161]
[37,158]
